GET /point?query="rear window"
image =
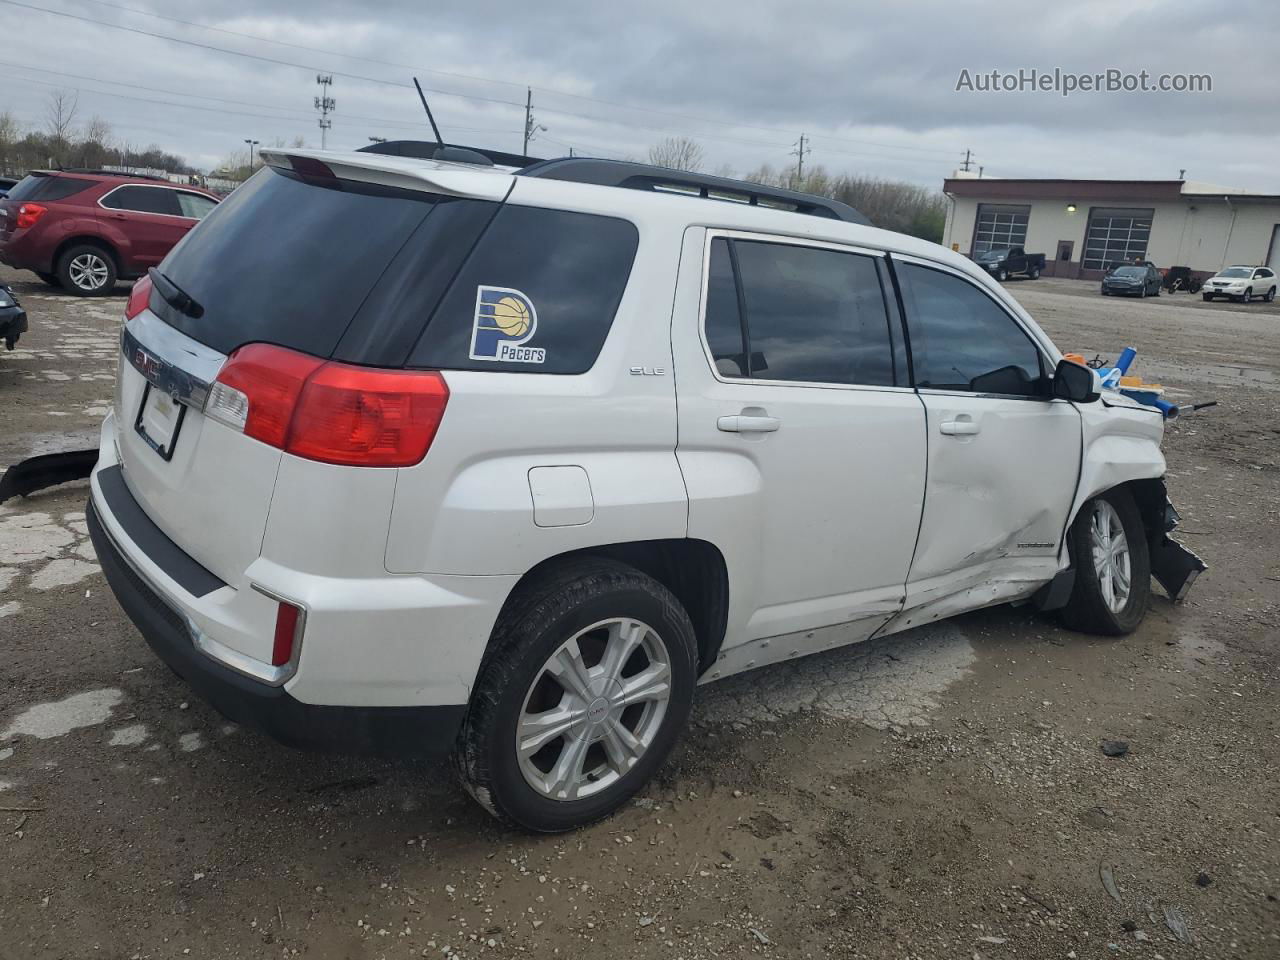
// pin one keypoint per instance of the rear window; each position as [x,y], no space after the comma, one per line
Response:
[42,187]
[537,295]
[290,262]
[381,276]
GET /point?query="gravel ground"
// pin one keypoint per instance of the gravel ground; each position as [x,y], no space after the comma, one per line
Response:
[941,794]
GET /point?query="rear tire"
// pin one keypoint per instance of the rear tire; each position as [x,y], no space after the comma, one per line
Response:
[1271,295]
[87,270]
[1108,547]
[1033,273]
[558,641]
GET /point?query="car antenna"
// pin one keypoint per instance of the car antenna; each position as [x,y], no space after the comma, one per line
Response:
[423,98]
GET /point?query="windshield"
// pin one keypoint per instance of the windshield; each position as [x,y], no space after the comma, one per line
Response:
[1243,273]
[1129,272]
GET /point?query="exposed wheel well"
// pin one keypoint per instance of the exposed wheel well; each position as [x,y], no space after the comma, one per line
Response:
[693,570]
[89,241]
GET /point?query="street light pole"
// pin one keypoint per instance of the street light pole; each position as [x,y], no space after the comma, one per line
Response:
[252,144]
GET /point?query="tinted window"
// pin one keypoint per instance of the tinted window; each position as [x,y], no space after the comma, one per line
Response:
[144,200]
[289,262]
[537,295]
[723,322]
[37,187]
[961,340]
[814,315]
[195,205]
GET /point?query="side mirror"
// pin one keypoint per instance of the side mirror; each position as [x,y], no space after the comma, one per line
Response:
[1074,382]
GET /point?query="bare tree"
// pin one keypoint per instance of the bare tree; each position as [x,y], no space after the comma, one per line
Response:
[60,116]
[677,153]
[97,130]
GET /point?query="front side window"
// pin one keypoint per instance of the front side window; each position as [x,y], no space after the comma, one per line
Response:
[962,340]
[144,200]
[810,314]
[195,206]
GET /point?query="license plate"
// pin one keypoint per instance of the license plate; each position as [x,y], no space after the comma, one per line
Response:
[159,420]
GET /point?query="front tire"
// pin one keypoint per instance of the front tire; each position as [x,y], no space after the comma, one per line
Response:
[1002,275]
[87,270]
[1247,297]
[588,683]
[1207,297]
[1108,547]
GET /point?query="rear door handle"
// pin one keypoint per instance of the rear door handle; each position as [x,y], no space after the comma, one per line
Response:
[960,427]
[748,424]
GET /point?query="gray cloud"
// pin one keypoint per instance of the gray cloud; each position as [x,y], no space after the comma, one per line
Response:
[872,84]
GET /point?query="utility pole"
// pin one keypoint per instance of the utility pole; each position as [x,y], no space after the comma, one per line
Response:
[1182,174]
[325,104]
[799,153]
[980,169]
[252,144]
[968,159]
[531,126]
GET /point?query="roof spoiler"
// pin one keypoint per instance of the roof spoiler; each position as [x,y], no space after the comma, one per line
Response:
[406,173]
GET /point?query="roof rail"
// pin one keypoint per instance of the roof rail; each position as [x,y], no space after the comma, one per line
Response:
[430,150]
[643,176]
[111,173]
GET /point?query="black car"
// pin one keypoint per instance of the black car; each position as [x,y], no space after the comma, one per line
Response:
[1133,280]
[6,184]
[13,319]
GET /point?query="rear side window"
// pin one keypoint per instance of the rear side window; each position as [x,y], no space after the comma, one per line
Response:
[140,199]
[537,294]
[808,314]
[195,206]
[290,262]
[41,187]
[962,340]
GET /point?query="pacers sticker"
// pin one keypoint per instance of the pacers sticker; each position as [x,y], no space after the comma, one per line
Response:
[505,321]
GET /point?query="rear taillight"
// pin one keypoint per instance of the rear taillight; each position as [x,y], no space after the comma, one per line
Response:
[29,213]
[331,412]
[139,297]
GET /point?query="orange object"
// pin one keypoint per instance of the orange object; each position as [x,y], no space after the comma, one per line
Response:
[1074,358]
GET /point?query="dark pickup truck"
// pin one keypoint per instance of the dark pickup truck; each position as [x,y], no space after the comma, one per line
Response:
[1005,262]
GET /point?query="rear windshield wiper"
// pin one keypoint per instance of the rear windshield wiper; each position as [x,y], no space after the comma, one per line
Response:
[174,295]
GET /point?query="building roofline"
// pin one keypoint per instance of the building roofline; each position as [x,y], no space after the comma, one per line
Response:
[1054,188]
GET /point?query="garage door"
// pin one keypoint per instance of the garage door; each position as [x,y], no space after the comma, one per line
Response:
[1000,225]
[1116,236]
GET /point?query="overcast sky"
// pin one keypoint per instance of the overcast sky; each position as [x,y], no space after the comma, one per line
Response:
[873,85]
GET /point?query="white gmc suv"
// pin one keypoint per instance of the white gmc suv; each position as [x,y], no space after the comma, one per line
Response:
[423,456]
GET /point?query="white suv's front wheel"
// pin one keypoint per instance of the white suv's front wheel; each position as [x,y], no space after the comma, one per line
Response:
[1113,568]
[587,685]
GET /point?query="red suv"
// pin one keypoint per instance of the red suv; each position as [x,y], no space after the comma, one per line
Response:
[87,229]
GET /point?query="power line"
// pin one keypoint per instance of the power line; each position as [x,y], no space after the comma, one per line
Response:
[446,93]
[297,115]
[495,80]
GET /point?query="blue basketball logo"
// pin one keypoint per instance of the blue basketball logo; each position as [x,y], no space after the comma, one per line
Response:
[505,320]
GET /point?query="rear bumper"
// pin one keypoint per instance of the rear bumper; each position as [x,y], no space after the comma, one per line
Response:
[22,253]
[422,730]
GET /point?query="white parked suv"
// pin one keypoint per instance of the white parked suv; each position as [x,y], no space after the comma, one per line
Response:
[1241,283]
[421,456]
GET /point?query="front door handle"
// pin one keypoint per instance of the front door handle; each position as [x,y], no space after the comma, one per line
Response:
[960,427]
[748,424]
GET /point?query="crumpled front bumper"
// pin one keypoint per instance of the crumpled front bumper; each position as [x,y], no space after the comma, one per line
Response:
[1173,565]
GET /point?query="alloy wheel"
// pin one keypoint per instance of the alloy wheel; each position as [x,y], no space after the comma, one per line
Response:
[88,271]
[594,709]
[1110,555]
